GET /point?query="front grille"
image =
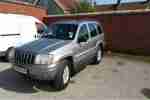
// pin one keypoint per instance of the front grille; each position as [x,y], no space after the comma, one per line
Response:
[24,57]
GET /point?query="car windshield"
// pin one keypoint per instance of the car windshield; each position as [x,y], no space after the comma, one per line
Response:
[63,31]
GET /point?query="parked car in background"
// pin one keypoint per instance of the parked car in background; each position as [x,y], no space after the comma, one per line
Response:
[57,55]
[16,30]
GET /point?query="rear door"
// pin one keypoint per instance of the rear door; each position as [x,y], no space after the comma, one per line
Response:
[100,32]
[93,39]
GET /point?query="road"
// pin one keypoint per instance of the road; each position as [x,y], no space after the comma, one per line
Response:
[118,77]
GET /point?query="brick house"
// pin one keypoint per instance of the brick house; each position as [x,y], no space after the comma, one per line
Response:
[37,8]
[57,6]
[22,8]
[52,6]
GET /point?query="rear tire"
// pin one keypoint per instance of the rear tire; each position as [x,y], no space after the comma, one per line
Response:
[99,55]
[62,78]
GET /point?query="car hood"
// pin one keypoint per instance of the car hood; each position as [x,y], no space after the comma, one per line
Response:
[44,45]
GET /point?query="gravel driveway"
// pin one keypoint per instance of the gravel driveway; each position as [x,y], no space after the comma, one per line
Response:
[118,77]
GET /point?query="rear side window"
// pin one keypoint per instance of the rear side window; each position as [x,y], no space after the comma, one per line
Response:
[93,30]
[99,29]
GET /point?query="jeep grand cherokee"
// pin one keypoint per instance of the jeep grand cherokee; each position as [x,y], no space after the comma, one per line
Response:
[61,52]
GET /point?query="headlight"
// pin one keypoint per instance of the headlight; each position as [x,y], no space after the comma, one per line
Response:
[43,59]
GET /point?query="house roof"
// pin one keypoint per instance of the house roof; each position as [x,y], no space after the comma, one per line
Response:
[67,5]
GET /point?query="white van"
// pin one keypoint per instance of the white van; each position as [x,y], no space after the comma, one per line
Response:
[16,30]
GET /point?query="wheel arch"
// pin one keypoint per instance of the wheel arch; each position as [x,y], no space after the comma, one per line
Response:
[70,59]
[101,45]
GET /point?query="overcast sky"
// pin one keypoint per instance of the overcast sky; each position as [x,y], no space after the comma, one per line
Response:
[114,1]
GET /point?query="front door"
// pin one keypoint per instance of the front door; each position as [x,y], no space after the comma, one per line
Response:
[81,56]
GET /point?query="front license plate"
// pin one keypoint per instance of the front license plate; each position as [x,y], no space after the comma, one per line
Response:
[20,69]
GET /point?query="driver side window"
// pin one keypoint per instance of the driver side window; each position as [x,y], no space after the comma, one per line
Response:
[83,34]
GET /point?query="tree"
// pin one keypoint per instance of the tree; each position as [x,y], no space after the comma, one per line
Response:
[83,7]
[148,4]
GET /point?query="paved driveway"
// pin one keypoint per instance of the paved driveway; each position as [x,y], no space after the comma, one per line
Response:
[118,77]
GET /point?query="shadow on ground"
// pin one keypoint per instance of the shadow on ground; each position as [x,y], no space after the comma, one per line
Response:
[3,60]
[146,92]
[12,81]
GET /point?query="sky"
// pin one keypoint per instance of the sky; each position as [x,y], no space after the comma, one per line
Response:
[114,1]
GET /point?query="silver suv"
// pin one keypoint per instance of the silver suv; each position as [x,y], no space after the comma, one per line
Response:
[60,53]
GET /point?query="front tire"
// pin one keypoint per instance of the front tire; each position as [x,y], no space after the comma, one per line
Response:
[62,78]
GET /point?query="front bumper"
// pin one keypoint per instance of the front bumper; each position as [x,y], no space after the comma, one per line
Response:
[40,72]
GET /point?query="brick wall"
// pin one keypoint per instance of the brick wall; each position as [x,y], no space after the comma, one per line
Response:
[127,31]
[23,9]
